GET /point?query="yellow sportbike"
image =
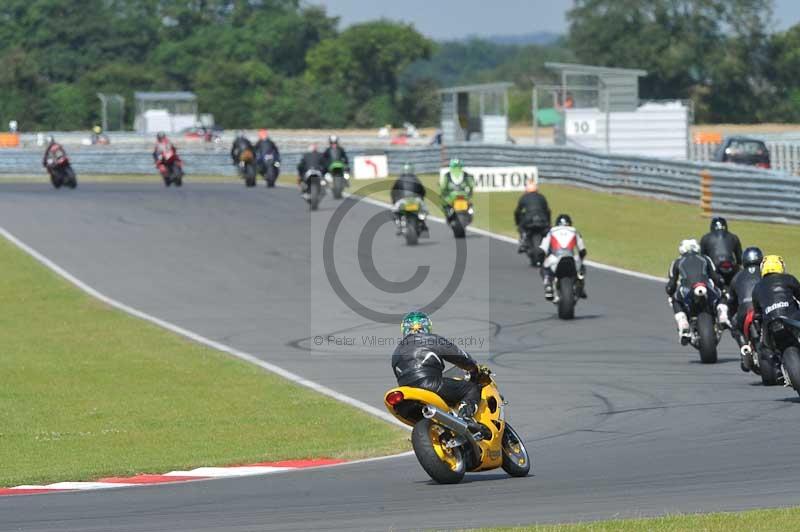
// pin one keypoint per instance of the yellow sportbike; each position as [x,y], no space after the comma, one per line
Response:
[443,442]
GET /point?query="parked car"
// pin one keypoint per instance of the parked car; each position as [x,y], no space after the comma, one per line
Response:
[212,134]
[743,150]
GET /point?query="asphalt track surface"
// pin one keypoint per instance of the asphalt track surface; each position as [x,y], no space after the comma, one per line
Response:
[621,421]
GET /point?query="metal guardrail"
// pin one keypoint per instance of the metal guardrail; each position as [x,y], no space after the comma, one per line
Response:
[733,190]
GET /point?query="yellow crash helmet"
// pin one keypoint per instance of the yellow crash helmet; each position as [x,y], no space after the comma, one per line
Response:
[772,264]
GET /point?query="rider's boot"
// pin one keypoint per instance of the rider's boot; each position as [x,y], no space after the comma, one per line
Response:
[466,411]
[582,284]
[722,316]
[548,289]
[684,333]
[523,243]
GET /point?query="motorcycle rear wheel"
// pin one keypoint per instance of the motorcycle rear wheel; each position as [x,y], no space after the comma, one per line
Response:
[411,231]
[443,465]
[707,338]
[516,461]
[791,363]
[566,298]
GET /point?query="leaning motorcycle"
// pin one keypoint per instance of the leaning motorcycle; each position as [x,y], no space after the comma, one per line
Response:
[783,339]
[567,282]
[247,167]
[338,178]
[445,445]
[458,211]
[170,167]
[410,218]
[60,170]
[700,302]
[314,185]
[765,362]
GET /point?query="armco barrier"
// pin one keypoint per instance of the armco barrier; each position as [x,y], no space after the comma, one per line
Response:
[732,190]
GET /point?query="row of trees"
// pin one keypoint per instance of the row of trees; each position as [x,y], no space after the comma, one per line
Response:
[279,62]
[250,62]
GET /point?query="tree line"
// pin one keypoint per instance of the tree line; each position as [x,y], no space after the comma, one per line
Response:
[283,63]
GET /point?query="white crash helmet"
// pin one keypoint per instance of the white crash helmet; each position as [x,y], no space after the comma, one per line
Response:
[688,246]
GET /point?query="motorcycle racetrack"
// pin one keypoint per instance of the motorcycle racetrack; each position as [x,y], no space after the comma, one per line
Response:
[620,420]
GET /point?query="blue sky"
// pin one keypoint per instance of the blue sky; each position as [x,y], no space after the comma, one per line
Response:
[448,19]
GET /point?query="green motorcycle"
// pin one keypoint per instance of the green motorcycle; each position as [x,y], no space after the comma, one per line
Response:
[338,178]
[458,210]
[410,219]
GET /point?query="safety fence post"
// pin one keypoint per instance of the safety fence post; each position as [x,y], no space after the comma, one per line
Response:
[705,192]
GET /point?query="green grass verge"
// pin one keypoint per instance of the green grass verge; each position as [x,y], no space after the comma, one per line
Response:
[626,231]
[752,521]
[89,392]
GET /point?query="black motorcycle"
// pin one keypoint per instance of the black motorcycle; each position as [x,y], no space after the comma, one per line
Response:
[410,219]
[567,283]
[782,338]
[701,302]
[314,188]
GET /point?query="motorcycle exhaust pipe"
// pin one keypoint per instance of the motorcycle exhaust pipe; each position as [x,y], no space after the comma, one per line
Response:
[453,423]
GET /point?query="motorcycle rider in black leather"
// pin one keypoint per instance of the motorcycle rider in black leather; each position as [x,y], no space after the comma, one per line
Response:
[240,144]
[311,160]
[418,361]
[408,184]
[720,245]
[690,268]
[334,152]
[776,294]
[531,215]
[740,301]
[266,146]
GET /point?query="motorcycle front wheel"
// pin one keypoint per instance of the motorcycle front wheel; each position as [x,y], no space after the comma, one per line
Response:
[516,461]
[444,465]
[338,186]
[55,179]
[249,175]
[313,193]
[70,179]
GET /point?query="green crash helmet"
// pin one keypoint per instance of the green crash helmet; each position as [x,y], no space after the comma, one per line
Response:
[416,322]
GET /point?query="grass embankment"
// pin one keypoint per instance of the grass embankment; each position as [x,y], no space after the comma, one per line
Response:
[629,232]
[88,391]
[752,521]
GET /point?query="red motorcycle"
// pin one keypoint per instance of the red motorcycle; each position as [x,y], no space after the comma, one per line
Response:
[61,172]
[170,166]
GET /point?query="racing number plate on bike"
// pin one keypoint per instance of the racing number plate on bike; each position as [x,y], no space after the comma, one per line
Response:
[412,207]
[460,205]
